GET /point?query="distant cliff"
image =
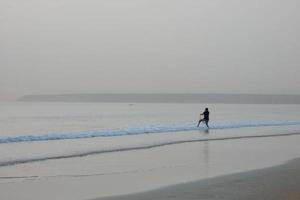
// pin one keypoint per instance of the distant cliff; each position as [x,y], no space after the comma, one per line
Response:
[167,98]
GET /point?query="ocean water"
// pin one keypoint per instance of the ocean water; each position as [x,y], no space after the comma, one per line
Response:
[32,132]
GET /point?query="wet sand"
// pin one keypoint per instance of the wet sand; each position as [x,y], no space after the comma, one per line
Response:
[275,183]
[159,169]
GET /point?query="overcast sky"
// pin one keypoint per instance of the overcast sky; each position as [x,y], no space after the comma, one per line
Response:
[149,46]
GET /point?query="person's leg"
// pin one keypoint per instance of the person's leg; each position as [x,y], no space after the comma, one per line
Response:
[206,122]
[199,122]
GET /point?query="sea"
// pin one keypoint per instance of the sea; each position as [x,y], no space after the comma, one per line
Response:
[39,131]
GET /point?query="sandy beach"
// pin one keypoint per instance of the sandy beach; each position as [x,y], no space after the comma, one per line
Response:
[274,183]
[203,170]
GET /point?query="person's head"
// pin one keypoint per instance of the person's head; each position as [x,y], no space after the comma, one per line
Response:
[206,109]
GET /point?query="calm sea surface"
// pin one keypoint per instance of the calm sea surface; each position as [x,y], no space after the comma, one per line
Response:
[41,118]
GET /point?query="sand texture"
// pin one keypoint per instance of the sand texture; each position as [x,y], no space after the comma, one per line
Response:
[274,183]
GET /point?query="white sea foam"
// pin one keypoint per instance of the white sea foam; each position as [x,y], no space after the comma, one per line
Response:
[179,127]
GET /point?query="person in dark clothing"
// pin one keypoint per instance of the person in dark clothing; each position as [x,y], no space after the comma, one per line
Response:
[205,118]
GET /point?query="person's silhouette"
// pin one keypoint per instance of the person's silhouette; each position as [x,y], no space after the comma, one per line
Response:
[205,118]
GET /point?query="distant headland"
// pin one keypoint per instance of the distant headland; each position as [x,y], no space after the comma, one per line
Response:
[167,98]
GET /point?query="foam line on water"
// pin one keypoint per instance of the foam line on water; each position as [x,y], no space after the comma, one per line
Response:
[137,147]
[144,130]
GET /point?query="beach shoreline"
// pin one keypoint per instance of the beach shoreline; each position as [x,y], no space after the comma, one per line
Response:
[121,175]
[272,183]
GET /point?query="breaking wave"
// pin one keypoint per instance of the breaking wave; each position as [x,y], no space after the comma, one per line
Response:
[144,130]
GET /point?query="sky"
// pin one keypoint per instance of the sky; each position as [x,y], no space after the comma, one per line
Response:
[149,46]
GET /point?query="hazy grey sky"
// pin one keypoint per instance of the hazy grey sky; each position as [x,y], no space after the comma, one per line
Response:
[146,46]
